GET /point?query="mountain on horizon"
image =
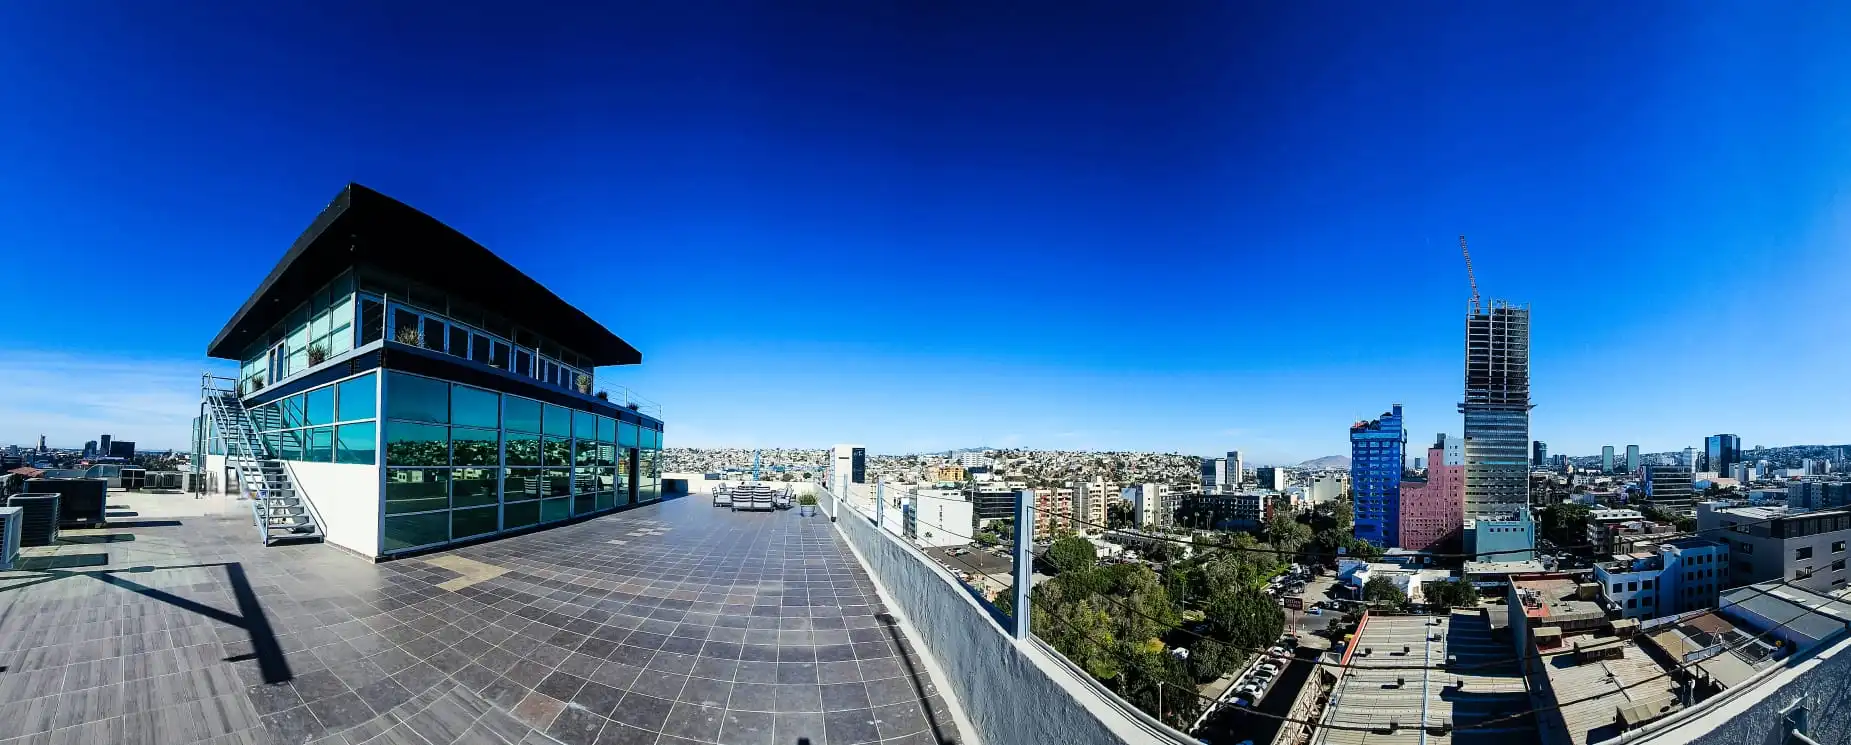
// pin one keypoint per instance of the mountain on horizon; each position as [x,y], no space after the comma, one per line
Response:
[1328,461]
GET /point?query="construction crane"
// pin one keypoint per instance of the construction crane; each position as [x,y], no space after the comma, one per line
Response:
[1468,274]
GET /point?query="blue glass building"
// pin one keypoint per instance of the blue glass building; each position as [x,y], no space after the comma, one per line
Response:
[1375,477]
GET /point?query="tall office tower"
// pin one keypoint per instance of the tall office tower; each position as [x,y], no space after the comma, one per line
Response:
[1720,452]
[1539,454]
[1606,459]
[1236,472]
[41,443]
[849,466]
[1269,477]
[1690,460]
[1375,477]
[1215,476]
[1452,450]
[1632,458]
[1497,410]
[102,447]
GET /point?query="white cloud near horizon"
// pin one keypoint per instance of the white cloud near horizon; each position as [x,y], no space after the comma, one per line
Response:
[73,398]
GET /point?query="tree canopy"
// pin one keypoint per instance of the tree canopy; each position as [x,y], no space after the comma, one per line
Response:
[1451,594]
[1383,590]
[1072,553]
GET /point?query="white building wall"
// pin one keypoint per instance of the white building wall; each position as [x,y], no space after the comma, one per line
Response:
[347,498]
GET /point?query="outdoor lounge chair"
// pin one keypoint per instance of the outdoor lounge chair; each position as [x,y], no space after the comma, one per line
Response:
[722,497]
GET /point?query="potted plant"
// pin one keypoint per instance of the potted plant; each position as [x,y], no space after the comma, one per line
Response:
[806,505]
[408,335]
[584,383]
[604,395]
[257,382]
[317,354]
[633,406]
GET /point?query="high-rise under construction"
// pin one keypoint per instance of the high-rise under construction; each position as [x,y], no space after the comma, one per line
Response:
[1497,410]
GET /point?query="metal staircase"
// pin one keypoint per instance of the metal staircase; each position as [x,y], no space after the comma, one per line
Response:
[277,507]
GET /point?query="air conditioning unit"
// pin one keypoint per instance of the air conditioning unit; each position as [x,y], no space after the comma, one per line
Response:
[11,520]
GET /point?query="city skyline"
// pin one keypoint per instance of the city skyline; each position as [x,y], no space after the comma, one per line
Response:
[935,238]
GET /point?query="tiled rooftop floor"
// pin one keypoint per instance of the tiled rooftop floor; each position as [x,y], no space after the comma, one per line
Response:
[672,623]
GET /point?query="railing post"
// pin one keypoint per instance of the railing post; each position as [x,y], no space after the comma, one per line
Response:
[1024,562]
[880,504]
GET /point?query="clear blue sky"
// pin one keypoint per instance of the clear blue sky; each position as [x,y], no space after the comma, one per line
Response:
[1196,227]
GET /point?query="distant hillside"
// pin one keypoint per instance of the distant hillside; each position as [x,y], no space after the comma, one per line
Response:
[1328,461]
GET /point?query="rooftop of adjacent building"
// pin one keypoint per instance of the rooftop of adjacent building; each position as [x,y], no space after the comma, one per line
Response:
[1558,599]
[1596,685]
[1426,706]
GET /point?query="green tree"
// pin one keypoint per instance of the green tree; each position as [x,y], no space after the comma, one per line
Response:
[1383,590]
[1565,523]
[1345,516]
[1118,515]
[1286,533]
[1072,553]
[986,539]
[1245,618]
[1451,594]
[1161,677]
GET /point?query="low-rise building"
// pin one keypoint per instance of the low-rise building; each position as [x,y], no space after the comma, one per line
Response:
[1433,509]
[1669,487]
[1676,576]
[1328,486]
[1779,543]
[1510,538]
[1818,494]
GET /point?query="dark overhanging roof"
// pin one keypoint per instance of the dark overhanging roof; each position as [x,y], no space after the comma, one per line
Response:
[362,226]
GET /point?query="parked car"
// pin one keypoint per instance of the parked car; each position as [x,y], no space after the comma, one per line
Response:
[1315,611]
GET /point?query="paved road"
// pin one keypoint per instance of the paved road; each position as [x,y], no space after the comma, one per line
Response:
[1231,725]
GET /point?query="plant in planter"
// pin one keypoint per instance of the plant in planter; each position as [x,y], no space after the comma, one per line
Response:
[408,335]
[633,406]
[604,395]
[806,505]
[317,354]
[257,382]
[584,383]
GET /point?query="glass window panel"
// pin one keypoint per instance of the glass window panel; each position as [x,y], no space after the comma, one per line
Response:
[587,453]
[584,504]
[558,482]
[499,356]
[607,454]
[467,313]
[411,531]
[417,489]
[479,521]
[606,500]
[555,509]
[372,320]
[473,487]
[380,283]
[357,399]
[433,333]
[354,443]
[428,297]
[475,407]
[292,444]
[342,285]
[459,341]
[584,425]
[586,480]
[319,408]
[405,327]
[626,435]
[521,514]
[298,360]
[523,449]
[341,338]
[320,448]
[558,421]
[475,447]
[479,350]
[607,429]
[409,444]
[273,442]
[652,439]
[556,452]
[496,325]
[318,323]
[412,397]
[522,484]
[520,414]
[523,361]
[607,478]
[298,327]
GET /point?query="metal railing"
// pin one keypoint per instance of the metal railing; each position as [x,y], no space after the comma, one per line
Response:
[237,448]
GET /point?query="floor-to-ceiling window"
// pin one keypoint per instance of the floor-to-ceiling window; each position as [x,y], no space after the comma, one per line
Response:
[330,424]
[463,462]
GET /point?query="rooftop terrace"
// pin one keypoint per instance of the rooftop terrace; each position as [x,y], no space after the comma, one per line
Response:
[672,623]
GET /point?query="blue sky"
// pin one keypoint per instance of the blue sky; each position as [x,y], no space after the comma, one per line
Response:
[1195,227]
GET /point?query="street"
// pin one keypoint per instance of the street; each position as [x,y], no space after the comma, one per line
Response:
[1231,725]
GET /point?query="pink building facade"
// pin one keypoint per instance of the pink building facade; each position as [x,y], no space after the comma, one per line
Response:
[1433,511]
